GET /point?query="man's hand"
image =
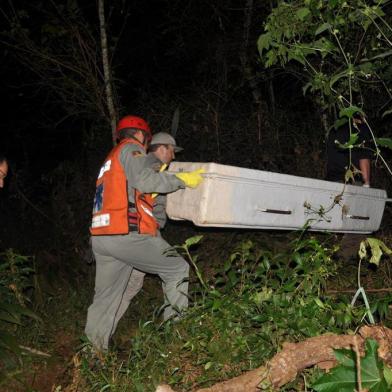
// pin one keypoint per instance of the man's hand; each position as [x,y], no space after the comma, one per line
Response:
[191,179]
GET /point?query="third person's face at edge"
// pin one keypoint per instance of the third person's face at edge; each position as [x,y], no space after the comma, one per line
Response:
[3,173]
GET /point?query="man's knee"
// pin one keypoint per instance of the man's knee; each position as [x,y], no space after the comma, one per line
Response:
[184,268]
[178,274]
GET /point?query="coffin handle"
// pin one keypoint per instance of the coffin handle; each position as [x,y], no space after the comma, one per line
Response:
[359,217]
[271,211]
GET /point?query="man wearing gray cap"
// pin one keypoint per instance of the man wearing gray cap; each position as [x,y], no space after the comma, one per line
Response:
[162,150]
[163,147]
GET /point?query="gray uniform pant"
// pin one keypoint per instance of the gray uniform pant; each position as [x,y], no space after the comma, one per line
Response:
[116,258]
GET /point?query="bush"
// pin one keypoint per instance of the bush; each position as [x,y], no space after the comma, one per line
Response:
[16,273]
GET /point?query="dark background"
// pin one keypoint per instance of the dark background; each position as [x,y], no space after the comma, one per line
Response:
[198,56]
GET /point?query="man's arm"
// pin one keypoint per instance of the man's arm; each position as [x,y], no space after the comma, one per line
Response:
[142,177]
[159,210]
[364,166]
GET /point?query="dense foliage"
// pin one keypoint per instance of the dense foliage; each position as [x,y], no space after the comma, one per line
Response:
[342,48]
[258,300]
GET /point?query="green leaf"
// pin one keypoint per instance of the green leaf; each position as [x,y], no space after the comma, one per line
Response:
[10,318]
[319,303]
[216,304]
[343,378]
[260,318]
[307,49]
[215,293]
[377,249]
[336,77]
[263,42]
[271,58]
[193,240]
[350,143]
[227,265]
[297,56]
[350,111]
[388,375]
[377,11]
[372,369]
[333,3]
[345,357]
[322,28]
[367,67]
[262,296]
[232,277]
[362,252]
[349,176]
[302,13]
[384,142]
[16,310]
[340,378]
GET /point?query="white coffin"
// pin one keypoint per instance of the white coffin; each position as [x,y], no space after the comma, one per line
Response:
[232,196]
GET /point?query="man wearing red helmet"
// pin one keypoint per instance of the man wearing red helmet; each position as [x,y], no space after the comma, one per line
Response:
[125,233]
[162,150]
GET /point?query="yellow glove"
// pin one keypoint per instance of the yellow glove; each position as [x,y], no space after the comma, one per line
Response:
[191,179]
[163,167]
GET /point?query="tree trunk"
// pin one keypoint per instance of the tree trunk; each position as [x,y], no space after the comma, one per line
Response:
[246,66]
[106,70]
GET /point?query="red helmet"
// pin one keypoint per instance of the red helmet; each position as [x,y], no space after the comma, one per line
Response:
[134,122]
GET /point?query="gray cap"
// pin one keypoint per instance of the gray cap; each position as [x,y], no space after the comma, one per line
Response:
[165,138]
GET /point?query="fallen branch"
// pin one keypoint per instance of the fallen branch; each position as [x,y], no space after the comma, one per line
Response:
[295,357]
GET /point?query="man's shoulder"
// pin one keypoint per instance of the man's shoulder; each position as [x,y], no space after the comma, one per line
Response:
[132,149]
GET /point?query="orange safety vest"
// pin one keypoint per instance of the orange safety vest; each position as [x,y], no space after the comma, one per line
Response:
[112,213]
